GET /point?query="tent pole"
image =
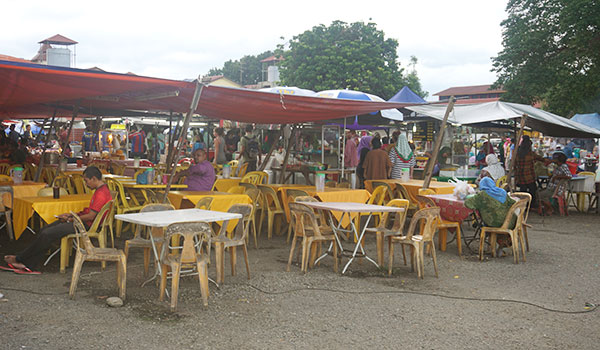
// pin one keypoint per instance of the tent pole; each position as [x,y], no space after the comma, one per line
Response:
[263,165]
[437,145]
[168,147]
[39,135]
[343,165]
[64,145]
[38,171]
[287,155]
[513,159]
[182,134]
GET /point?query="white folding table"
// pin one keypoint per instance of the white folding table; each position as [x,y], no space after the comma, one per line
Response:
[346,208]
[168,217]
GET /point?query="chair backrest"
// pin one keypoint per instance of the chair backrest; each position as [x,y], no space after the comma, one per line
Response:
[194,235]
[331,184]
[248,185]
[516,210]
[378,195]
[305,219]
[426,191]
[233,162]
[204,203]
[395,220]
[271,198]
[82,236]
[101,219]
[138,172]
[5,178]
[47,174]
[322,218]
[65,182]
[256,177]
[79,184]
[293,193]
[425,202]
[527,196]
[501,181]
[389,193]
[100,165]
[49,192]
[343,184]
[117,168]
[242,169]
[254,194]
[30,170]
[430,216]
[151,196]
[237,190]
[3,190]
[401,192]
[115,185]
[241,229]
[156,207]
[4,168]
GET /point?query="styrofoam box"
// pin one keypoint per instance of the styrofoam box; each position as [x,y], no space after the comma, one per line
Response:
[586,185]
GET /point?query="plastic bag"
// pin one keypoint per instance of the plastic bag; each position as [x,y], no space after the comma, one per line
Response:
[461,188]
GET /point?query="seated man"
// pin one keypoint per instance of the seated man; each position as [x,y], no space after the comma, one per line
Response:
[28,260]
[556,188]
[200,176]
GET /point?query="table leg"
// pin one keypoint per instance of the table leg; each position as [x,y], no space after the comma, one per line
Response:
[220,261]
[358,245]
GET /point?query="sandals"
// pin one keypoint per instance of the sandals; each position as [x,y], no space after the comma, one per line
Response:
[24,271]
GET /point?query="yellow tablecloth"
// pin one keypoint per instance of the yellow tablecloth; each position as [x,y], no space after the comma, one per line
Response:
[222,201]
[223,185]
[46,207]
[412,186]
[25,189]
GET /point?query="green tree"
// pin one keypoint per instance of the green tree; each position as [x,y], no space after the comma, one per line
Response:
[245,71]
[551,54]
[412,79]
[355,56]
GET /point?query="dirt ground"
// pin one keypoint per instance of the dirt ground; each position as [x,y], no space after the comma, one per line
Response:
[472,305]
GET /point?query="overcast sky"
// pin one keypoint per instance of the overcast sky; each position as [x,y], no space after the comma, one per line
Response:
[453,40]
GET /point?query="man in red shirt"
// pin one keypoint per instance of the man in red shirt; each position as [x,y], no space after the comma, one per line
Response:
[29,259]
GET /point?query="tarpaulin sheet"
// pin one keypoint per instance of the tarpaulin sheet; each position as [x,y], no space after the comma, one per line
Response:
[32,89]
[537,119]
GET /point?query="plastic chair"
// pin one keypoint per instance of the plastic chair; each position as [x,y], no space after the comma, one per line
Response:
[501,182]
[204,203]
[391,224]
[417,242]
[117,168]
[389,194]
[256,177]
[87,252]
[122,204]
[141,238]
[248,185]
[331,184]
[517,210]
[273,207]
[441,224]
[238,240]
[7,211]
[79,184]
[343,184]
[5,178]
[377,198]
[49,192]
[189,254]
[97,230]
[30,170]
[237,190]
[325,229]
[310,231]
[254,195]
[4,168]
[525,226]
[291,195]
[402,193]
[65,182]
[242,169]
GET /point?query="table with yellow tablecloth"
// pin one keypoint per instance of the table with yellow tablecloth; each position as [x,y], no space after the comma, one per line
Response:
[412,186]
[222,201]
[223,185]
[25,189]
[46,207]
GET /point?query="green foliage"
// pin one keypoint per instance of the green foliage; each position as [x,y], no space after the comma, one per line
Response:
[250,66]
[355,56]
[412,79]
[551,54]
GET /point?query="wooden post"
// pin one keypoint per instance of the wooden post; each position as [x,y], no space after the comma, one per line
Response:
[287,155]
[437,145]
[263,165]
[513,159]
[38,171]
[66,143]
[183,133]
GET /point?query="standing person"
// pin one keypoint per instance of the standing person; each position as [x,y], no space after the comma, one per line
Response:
[87,139]
[137,140]
[249,149]
[27,261]
[402,157]
[200,176]
[377,164]
[350,152]
[13,135]
[525,172]
[364,147]
[219,146]
[27,135]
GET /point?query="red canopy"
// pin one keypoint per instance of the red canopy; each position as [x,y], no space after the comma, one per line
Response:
[30,89]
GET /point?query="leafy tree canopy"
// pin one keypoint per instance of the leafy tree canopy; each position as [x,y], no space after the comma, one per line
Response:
[247,70]
[551,54]
[355,56]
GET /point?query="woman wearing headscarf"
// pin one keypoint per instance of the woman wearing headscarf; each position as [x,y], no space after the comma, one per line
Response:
[525,176]
[492,202]
[402,157]
[351,151]
[493,169]
[486,149]
[363,148]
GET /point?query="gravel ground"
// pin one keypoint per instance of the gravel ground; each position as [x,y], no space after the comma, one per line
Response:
[363,308]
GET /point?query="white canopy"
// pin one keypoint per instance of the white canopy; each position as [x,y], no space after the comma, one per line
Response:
[537,119]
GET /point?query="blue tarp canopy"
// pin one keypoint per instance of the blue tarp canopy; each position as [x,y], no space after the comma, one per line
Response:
[406,95]
[591,119]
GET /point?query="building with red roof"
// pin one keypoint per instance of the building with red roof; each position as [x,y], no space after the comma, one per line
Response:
[481,93]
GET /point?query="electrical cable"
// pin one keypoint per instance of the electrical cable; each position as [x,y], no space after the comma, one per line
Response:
[591,306]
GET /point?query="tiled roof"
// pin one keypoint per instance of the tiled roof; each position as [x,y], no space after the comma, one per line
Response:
[468,90]
[58,39]
[13,59]
[211,78]
[271,59]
